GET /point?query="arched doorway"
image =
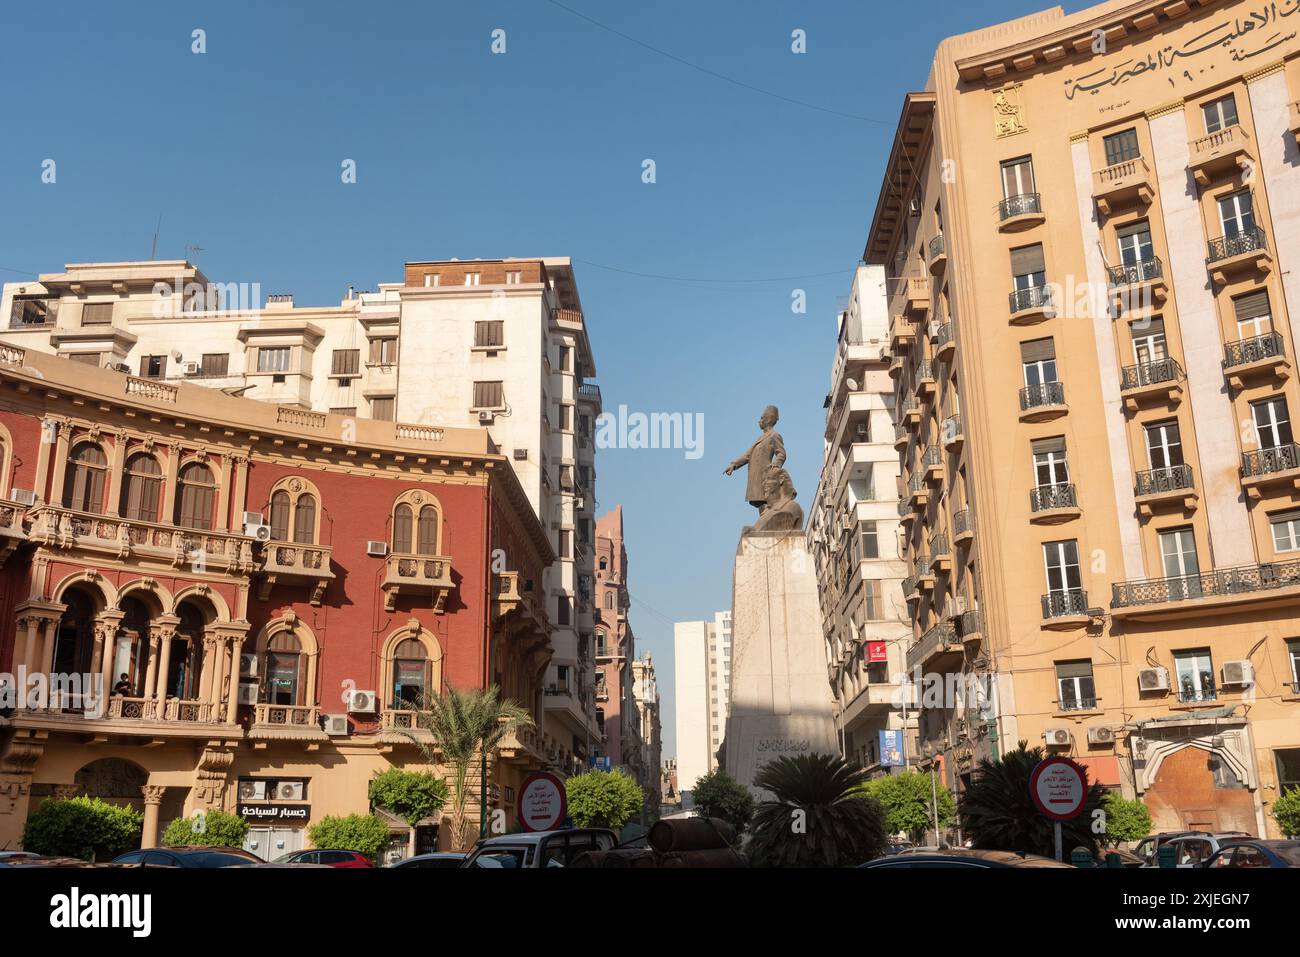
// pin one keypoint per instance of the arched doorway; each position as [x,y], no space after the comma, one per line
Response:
[1196,789]
[74,641]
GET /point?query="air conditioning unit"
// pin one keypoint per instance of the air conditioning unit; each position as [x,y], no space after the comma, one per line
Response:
[120,367]
[1101,734]
[253,518]
[521,455]
[252,790]
[361,702]
[377,549]
[959,606]
[261,533]
[1153,679]
[289,791]
[248,693]
[192,368]
[336,725]
[248,666]
[485,417]
[1057,737]
[23,496]
[1239,673]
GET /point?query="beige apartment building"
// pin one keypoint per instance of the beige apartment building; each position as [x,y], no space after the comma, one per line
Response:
[702,688]
[853,532]
[500,345]
[1087,222]
[645,696]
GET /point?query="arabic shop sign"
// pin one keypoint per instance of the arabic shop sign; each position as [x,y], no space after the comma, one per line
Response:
[1243,38]
[274,812]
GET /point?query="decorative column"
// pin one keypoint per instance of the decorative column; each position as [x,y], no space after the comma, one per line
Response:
[206,667]
[107,624]
[169,484]
[166,627]
[60,460]
[232,700]
[115,472]
[153,795]
[151,672]
[47,659]
[223,496]
[34,626]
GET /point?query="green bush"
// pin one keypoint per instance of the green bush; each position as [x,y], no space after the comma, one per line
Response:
[1286,811]
[1125,820]
[907,801]
[411,795]
[603,799]
[210,829]
[718,794]
[363,833]
[83,827]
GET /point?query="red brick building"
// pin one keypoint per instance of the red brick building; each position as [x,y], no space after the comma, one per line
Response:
[615,649]
[269,590]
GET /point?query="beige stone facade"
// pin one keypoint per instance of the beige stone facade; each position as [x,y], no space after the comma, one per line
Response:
[1086,222]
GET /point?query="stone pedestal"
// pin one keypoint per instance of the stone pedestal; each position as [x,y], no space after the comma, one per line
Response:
[780,697]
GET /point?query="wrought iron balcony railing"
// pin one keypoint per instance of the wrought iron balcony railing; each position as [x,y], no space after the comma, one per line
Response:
[1129,274]
[931,457]
[1034,297]
[937,247]
[961,522]
[1172,479]
[1246,241]
[1243,579]
[1065,604]
[970,623]
[1261,462]
[1021,205]
[1043,394]
[1157,372]
[1078,704]
[1044,498]
[938,546]
[943,335]
[1189,695]
[1245,351]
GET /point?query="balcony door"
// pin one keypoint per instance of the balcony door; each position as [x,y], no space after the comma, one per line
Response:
[1195,671]
[1220,114]
[1135,244]
[1254,314]
[1164,445]
[1149,343]
[1181,566]
[1017,177]
[1237,213]
[1121,147]
[1038,360]
[1050,465]
[1272,422]
[1061,560]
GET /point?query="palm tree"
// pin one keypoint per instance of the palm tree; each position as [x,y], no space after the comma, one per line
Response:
[998,814]
[818,815]
[464,725]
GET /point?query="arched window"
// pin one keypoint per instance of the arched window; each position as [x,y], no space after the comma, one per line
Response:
[282,669]
[131,649]
[83,489]
[186,659]
[410,674]
[427,542]
[402,518]
[609,599]
[280,516]
[142,491]
[74,644]
[198,495]
[304,520]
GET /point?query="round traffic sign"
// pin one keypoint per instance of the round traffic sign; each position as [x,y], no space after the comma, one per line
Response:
[1058,788]
[543,802]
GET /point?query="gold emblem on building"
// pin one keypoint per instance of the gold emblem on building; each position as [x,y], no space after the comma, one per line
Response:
[1008,112]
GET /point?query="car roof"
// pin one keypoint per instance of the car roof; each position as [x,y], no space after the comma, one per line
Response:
[436,856]
[996,858]
[536,837]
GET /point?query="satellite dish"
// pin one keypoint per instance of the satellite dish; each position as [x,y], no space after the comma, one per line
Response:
[852,384]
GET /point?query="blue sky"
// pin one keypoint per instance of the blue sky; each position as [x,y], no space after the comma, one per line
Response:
[537,151]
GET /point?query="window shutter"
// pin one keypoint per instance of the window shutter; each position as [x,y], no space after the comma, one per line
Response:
[1253,305]
[1143,330]
[1133,229]
[1074,669]
[1044,446]
[280,516]
[304,520]
[402,530]
[427,531]
[1037,350]
[1027,260]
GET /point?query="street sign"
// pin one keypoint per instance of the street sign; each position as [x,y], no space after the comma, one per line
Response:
[1058,789]
[543,802]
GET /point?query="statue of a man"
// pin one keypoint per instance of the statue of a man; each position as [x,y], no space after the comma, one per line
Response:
[783,513]
[764,456]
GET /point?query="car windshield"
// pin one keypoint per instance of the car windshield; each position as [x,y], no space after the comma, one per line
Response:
[1289,853]
[500,858]
[216,859]
[285,858]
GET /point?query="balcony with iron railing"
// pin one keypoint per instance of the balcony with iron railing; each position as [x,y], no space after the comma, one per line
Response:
[910,411]
[901,437]
[1255,358]
[1159,379]
[421,575]
[932,467]
[940,553]
[1031,304]
[1016,213]
[970,626]
[1204,592]
[918,492]
[925,379]
[1202,695]
[938,646]
[1161,486]
[938,254]
[1277,466]
[963,526]
[954,433]
[1052,504]
[1065,608]
[1221,153]
[1077,704]
[1043,401]
[911,588]
[1231,256]
[945,341]
[1121,183]
[1139,285]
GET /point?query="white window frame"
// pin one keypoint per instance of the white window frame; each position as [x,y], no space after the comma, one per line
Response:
[1271,428]
[1215,117]
[1164,444]
[1057,466]
[1059,562]
[1237,210]
[1289,525]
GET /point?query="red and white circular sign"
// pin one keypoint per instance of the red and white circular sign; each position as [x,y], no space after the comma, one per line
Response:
[543,803]
[1058,789]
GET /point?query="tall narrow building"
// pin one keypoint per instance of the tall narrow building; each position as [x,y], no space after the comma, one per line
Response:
[616,710]
[853,534]
[702,667]
[1087,221]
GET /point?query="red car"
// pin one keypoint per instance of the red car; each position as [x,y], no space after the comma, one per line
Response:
[327,857]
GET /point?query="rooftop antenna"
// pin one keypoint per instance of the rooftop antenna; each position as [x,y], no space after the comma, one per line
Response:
[192,248]
[153,252]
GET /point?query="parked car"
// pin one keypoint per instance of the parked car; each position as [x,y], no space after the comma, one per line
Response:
[1256,853]
[963,858]
[325,856]
[540,848]
[1147,847]
[22,859]
[189,857]
[440,859]
[1195,848]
